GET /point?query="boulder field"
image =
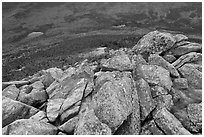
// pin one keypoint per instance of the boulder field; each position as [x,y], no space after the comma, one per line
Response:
[155,88]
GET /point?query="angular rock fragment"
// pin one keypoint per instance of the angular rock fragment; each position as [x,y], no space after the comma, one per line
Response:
[35,98]
[154,42]
[193,76]
[118,62]
[89,124]
[145,98]
[159,61]
[11,92]
[182,50]
[70,125]
[13,110]
[154,75]
[30,127]
[188,58]
[150,128]
[40,116]
[169,123]
[68,114]
[53,108]
[38,85]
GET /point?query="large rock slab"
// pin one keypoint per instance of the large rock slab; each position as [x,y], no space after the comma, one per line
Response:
[112,100]
[193,76]
[13,110]
[154,75]
[89,124]
[159,61]
[145,98]
[30,127]
[154,42]
[169,123]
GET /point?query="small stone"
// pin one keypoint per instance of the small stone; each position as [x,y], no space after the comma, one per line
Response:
[150,128]
[40,116]
[169,58]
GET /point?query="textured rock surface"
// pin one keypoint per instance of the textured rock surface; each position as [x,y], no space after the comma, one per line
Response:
[145,98]
[89,124]
[112,101]
[193,76]
[159,61]
[30,127]
[155,75]
[118,62]
[154,42]
[13,110]
[169,124]
[154,88]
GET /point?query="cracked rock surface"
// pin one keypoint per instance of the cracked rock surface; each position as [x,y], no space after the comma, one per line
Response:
[155,88]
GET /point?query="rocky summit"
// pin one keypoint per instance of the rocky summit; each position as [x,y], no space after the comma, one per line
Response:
[154,88]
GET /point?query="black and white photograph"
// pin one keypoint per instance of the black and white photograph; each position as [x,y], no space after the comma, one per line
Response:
[101,67]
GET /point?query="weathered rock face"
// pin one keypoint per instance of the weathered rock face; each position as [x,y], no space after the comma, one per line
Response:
[154,75]
[89,124]
[153,89]
[11,92]
[159,61]
[29,127]
[113,100]
[13,110]
[193,76]
[169,124]
[154,42]
[145,98]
